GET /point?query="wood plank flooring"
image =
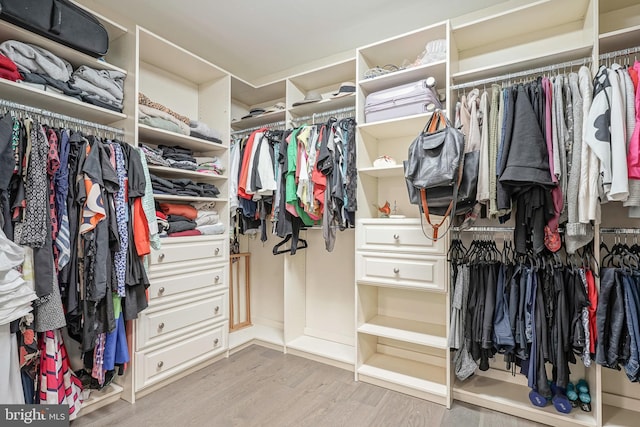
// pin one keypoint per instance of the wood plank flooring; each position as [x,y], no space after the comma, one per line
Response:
[262,387]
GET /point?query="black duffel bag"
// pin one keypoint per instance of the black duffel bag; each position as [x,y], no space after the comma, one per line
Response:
[58,20]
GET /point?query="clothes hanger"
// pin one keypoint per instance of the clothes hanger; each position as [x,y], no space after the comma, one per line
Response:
[302,244]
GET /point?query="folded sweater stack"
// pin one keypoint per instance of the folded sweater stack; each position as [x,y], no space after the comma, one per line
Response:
[182,187]
[179,220]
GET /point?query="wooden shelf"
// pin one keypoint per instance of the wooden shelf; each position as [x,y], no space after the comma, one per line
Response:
[61,104]
[513,399]
[438,70]
[327,104]
[386,172]
[263,119]
[181,173]
[323,348]
[157,136]
[173,59]
[399,127]
[427,334]
[9,31]
[408,373]
[187,199]
[612,416]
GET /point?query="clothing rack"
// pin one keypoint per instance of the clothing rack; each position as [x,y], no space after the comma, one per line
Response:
[489,229]
[509,76]
[621,52]
[267,125]
[620,231]
[56,116]
[314,116]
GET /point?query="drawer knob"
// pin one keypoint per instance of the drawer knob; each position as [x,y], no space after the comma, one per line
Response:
[217,251]
[396,236]
[161,326]
[217,279]
[217,309]
[160,364]
[216,341]
[396,270]
[161,257]
[161,291]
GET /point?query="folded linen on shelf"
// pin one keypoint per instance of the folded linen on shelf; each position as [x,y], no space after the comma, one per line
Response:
[217,228]
[147,111]
[176,226]
[185,233]
[154,156]
[202,131]
[34,59]
[210,165]
[103,86]
[9,69]
[144,100]
[187,211]
[207,217]
[58,85]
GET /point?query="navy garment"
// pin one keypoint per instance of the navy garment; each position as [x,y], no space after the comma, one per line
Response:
[7,162]
[610,319]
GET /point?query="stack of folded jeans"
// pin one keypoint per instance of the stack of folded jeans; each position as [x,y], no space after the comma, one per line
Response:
[104,88]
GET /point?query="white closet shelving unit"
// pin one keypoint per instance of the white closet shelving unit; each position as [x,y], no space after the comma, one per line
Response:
[186,323]
[245,96]
[401,276]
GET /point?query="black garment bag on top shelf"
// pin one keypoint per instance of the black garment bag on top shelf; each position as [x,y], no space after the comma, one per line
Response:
[60,21]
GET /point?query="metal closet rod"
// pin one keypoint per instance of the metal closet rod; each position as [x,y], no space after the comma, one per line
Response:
[621,52]
[539,70]
[324,114]
[62,117]
[267,125]
[620,231]
[489,229]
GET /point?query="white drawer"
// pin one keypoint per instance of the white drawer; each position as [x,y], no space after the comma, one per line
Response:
[403,235]
[155,325]
[154,366]
[181,281]
[184,251]
[426,273]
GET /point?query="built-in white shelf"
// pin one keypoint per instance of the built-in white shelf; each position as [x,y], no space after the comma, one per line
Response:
[155,136]
[324,348]
[263,119]
[100,398]
[438,70]
[397,127]
[384,172]
[187,199]
[513,399]
[619,39]
[61,104]
[256,332]
[408,373]
[328,104]
[613,416]
[427,334]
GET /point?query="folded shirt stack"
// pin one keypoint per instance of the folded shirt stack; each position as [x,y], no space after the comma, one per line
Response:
[159,116]
[40,68]
[178,157]
[179,220]
[104,88]
[210,165]
[182,187]
[201,130]
[154,156]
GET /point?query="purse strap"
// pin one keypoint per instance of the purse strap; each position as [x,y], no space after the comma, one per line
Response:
[438,117]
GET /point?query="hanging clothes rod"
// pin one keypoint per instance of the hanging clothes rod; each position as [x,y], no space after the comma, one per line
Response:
[267,125]
[620,231]
[621,52]
[509,76]
[489,229]
[56,116]
[314,116]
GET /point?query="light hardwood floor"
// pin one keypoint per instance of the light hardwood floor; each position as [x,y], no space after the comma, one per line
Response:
[262,387]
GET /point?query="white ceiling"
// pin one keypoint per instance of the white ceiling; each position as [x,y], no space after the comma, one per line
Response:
[262,41]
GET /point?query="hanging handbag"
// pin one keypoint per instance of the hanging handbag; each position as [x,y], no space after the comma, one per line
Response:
[440,197]
[434,164]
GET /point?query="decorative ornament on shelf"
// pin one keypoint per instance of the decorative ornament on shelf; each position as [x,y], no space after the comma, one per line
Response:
[385,210]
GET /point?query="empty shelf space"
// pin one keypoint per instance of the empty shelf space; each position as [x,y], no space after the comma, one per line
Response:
[422,333]
[619,39]
[157,136]
[385,172]
[513,399]
[324,348]
[256,332]
[613,416]
[437,70]
[407,373]
[99,398]
[396,128]
[172,198]
[61,104]
[181,173]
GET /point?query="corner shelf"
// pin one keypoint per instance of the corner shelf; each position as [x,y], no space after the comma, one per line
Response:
[157,136]
[181,173]
[412,331]
[396,128]
[260,120]
[61,104]
[100,398]
[327,104]
[385,172]
[324,348]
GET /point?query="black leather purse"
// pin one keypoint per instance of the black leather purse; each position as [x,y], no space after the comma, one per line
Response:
[60,21]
